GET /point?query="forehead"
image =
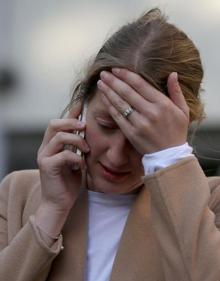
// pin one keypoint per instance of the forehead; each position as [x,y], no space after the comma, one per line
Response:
[96,105]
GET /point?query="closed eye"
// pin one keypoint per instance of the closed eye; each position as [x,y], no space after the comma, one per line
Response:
[106,126]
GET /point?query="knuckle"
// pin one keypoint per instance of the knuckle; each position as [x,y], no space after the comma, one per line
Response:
[53,124]
[117,115]
[135,130]
[65,154]
[164,107]
[143,126]
[60,136]
[40,149]
[120,105]
[127,91]
[39,156]
[165,104]
[38,160]
[65,157]
[139,83]
[154,116]
[42,163]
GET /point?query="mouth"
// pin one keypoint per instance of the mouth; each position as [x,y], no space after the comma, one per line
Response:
[112,174]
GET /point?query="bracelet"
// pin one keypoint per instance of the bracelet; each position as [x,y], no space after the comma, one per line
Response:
[49,235]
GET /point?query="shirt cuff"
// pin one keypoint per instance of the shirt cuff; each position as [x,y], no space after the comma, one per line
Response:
[153,162]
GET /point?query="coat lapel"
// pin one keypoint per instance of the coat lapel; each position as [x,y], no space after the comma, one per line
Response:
[138,256]
[70,263]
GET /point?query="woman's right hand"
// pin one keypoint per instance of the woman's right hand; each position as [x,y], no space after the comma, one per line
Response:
[60,184]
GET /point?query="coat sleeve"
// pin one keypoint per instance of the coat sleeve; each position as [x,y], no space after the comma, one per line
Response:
[186,216]
[26,257]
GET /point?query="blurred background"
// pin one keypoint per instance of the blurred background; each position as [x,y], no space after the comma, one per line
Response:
[46,44]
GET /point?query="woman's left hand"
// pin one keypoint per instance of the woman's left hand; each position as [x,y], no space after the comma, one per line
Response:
[157,122]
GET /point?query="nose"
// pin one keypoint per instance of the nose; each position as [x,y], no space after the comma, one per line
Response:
[118,150]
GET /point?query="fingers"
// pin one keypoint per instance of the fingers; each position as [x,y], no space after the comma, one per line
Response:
[121,96]
[138,93]
[176,94]
[57,125]
[139,84]
[57,143]
[58,134]
[123,90]
[124,125]
[119,103]
[65,157]
[154,114]
[116,106]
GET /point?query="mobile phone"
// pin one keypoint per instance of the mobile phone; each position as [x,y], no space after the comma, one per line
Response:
[82,118]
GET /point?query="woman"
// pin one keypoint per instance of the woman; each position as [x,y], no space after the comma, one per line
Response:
[140,206]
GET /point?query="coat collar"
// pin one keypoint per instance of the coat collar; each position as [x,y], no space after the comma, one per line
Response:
[137,257]
[70,263]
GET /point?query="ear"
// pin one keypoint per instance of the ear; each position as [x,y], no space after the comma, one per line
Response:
[176,94]
[75,110]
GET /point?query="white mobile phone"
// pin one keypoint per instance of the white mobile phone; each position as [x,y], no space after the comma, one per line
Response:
[82,117]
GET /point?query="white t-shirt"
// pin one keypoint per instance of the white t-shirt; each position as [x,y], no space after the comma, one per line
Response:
[107,217]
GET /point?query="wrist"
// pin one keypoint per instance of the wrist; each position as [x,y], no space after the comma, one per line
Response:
[50,219]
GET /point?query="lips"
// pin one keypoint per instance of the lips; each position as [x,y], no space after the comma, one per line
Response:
[114,171]
[112,175]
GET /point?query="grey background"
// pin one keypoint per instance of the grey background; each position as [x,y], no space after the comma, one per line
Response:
[46,44]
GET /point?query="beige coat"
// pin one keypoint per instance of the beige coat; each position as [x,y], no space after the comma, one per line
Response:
[171,232]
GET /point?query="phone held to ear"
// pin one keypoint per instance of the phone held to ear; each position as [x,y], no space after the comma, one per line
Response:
[82,118]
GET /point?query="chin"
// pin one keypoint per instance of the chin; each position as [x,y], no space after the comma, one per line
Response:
[104,186]
[101,181]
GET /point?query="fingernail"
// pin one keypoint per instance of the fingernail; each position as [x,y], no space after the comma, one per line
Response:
[80,124]
[175,76]
[104,74]
[87,149]
[177,86]
[116,70]
[100,84]
[75,167]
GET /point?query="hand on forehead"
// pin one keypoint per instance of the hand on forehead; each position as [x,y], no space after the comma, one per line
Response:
[142,112]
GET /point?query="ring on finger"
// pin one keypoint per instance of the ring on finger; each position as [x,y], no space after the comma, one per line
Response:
[127,112]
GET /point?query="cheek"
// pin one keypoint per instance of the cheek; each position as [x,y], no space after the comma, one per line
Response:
[94,140]
[136,162]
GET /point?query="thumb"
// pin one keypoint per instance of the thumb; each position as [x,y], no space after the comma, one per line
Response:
[176,94]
